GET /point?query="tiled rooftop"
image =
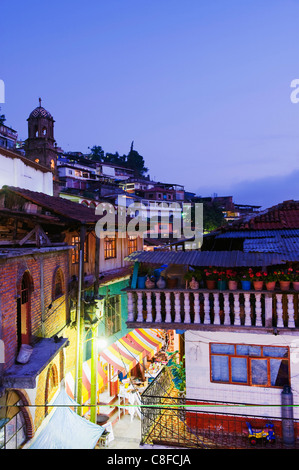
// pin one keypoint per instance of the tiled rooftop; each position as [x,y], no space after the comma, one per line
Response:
[58,205]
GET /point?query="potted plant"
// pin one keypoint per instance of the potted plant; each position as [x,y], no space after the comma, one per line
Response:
[295,280]
[270,280]
[284,279]
[222,280]
[246,278]
[258,280]
[232,277]
[211,276]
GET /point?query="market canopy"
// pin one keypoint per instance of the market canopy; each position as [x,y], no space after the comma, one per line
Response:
[66,429]
[129,350]
[86,380]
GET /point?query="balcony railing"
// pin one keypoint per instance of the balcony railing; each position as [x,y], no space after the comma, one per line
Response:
[204,308]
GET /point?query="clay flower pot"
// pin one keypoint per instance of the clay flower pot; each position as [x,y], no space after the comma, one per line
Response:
[284,285]
[258,285]
[296,285]
[270,285]
[232,285]
[211,284]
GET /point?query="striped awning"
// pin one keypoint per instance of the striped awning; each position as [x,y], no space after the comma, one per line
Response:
[123,355]
[128,351]
[86,380]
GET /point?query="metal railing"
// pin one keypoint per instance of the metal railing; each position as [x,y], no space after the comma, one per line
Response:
[176,422]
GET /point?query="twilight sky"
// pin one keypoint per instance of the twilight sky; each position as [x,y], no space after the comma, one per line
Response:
[201,86]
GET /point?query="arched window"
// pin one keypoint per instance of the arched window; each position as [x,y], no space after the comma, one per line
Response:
[13,425]
[58,284]
[52,165]
[44,131]
[24,311]
[51,385]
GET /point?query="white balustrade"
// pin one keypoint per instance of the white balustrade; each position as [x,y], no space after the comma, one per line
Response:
[207,318]
[158,307]
[258,310]
[130,307]
[149,307]
[187,318]
[139,307]
[279,311]
[229,307]
[196,308]
[247,309]
[237,319]
[177,307]
[291,311]
[226,308]
[167,307]
[216,309]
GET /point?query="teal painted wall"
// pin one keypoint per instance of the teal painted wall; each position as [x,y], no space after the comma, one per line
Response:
[113,289]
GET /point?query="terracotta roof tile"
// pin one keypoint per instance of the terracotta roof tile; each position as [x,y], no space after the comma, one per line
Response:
[58,205]
[283,216]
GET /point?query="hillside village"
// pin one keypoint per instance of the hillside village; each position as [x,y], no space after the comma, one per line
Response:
[105,323]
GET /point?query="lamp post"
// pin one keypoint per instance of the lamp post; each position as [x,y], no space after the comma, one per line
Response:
[92,318]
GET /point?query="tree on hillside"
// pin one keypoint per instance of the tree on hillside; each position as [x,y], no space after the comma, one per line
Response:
[115,158]
[136,162]
[97,154]
[133,160]
[213,216]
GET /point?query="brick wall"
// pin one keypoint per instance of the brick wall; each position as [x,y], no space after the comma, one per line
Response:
[12,271]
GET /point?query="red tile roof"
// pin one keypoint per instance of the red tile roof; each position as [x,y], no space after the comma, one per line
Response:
[282,216]
[57,205]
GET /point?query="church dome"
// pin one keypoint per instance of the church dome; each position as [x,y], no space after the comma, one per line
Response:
[40,112]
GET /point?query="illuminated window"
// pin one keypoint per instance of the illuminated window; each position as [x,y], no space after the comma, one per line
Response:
[76,249]
[132,244]
[52,165]
[110,247]
[243,364]
[24,311]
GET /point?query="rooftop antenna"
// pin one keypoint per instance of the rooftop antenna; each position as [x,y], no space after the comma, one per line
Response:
[40,102]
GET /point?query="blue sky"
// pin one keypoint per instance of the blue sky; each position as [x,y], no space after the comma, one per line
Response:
[202,87]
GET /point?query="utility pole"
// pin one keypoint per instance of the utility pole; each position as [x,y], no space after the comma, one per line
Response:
[94,346]
[80,324]
[93,381]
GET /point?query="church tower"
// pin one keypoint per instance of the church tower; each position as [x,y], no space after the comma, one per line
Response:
[40,146]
